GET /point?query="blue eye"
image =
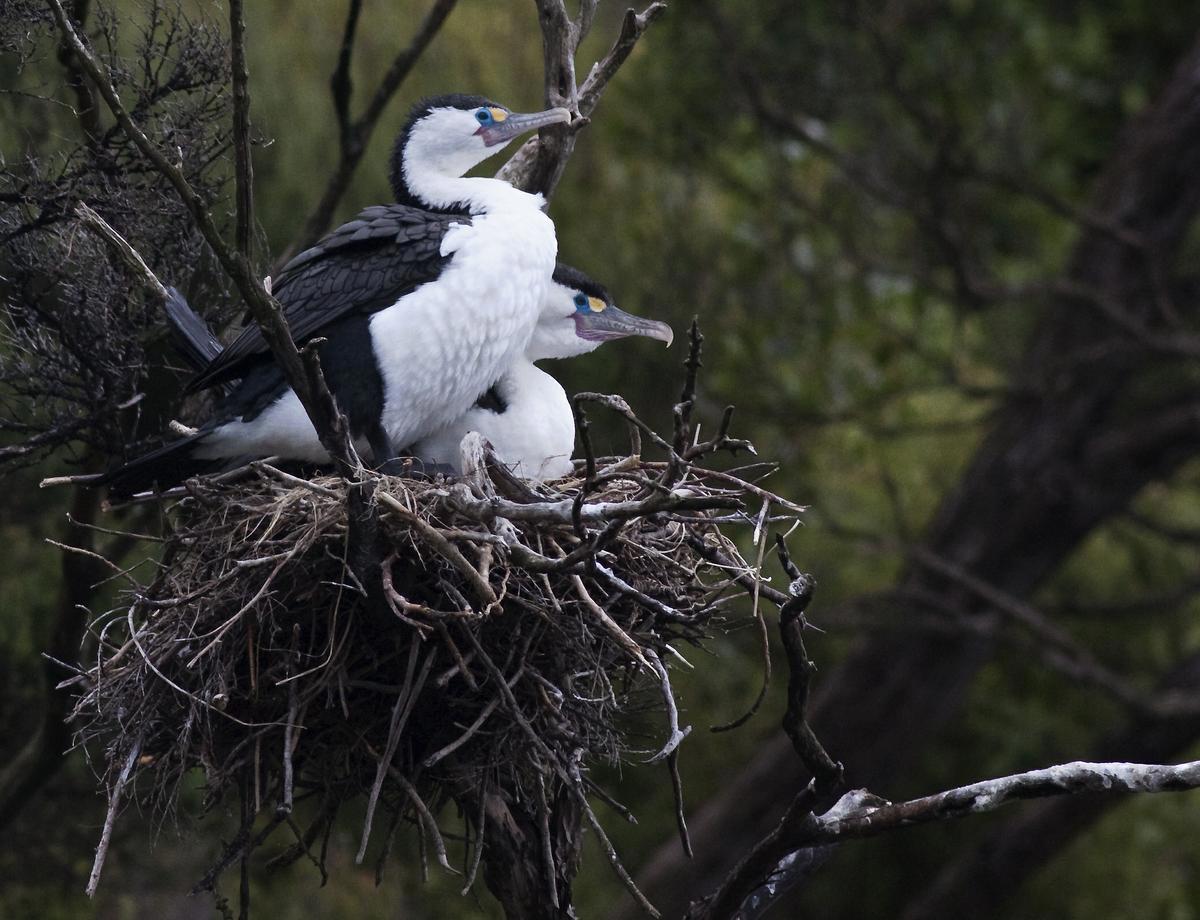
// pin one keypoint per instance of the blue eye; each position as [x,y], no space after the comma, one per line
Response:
[581,301]
[483,116]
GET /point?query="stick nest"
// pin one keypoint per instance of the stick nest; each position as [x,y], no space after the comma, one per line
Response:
[410,643]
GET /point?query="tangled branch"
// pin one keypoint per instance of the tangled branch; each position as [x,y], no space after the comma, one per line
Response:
[518,637]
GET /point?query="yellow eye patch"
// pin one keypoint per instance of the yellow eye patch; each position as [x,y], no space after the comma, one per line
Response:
[498,114]
[596,304]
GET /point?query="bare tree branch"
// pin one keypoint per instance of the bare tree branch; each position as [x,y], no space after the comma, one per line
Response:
[243,164]
[538,165]
[353,137]
[86,110]
[828,773]
[127,254]
[858,814]
[304,378]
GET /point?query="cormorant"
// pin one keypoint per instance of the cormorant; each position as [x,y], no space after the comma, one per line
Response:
[527,417]
[421,311]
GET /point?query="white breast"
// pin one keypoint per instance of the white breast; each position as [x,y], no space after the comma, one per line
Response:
[443,345]
[535,436]
[440,347]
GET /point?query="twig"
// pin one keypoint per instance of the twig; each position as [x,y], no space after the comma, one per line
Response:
[633,26]
[827,772]
[538,165]
[262,466]
[613,859]
[243,164]
[340,84]
[583,426]
[547,848]
[354,138]
[400,712]
[676,734]
[760,534]
[114,803]
[613,628]
[465,736]
[477,854]
[129,256]
[685,839]
[448,550]
[560,512]
[687,397]
[289,731]
[426,818]
[857,815]
[598,791]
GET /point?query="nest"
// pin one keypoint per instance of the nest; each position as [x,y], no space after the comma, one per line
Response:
[476,642]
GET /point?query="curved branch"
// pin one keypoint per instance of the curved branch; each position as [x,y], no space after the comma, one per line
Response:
[861,814]
[538,165]
[353,137]
[304,378]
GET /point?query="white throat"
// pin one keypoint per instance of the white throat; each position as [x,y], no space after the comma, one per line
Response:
[434,185]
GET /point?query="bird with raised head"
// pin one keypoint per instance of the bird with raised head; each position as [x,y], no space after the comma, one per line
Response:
[420,310]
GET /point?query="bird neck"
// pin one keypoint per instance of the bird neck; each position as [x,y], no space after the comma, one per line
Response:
[434,189]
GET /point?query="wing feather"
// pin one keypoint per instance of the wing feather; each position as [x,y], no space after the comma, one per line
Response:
[363,266]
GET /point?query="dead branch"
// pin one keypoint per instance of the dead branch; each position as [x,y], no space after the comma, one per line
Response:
[131,258]
[114,804]
[309,386]
[354,136]
[538,165]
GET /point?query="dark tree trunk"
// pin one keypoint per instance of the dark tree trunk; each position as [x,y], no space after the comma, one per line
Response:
[42,755]
[1068,451]
[529,865]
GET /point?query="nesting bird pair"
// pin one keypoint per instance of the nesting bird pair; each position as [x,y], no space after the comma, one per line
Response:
[433,311]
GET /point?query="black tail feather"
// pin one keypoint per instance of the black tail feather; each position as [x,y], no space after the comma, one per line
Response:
[189,333]
[173,463]
[160,469]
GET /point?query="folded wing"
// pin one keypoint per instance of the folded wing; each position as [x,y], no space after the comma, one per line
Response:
[363,266]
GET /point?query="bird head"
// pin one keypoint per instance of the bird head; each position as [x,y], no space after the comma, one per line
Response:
[579,316]
[448,135]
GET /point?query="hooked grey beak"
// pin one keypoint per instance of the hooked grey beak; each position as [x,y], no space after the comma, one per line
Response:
[517,124]
[615,323]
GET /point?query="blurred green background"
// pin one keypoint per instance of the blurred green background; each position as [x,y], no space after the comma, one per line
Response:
[827,270]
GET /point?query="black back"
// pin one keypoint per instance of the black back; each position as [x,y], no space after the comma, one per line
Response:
[361,267]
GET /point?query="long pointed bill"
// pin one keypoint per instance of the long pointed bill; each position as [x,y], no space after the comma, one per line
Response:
[514,124]
[614,323]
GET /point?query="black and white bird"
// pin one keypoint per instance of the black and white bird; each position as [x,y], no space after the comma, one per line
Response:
[527,417]
[421,310]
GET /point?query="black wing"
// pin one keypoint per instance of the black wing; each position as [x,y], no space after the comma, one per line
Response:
[361,267]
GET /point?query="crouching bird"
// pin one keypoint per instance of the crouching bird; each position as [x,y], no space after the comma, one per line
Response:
[526,415]
[420,310]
